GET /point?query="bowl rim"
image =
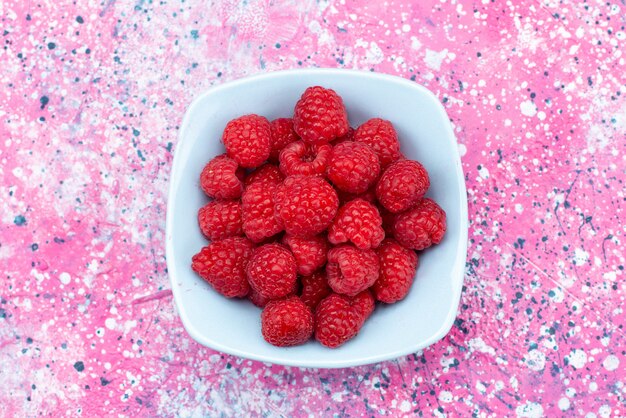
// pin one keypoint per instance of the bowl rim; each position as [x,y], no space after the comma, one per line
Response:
[458,270]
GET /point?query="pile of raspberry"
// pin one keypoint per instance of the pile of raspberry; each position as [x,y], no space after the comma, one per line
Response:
[314,221]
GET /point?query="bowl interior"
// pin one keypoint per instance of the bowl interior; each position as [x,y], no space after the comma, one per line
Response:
[233,326]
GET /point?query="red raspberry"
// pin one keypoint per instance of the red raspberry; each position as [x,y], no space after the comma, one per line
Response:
[306,159]
[223,265]
[338,318]
[422,226]
[220,219]
[247,140]
[287,322]
[221,178]
[272,271]
[267,173]
[282,135]
[353,167]
[306,205]
[364,304]
[402,185]
[359,222]
[349,136]
[259,219]
[256,298]
[310,253]
[382,137]
[350,270]
[397,270]
[314,289]
[320,116]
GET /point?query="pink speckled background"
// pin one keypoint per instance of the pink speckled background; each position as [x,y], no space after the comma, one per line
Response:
[92,97]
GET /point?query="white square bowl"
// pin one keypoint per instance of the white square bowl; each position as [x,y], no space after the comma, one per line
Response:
[233,326]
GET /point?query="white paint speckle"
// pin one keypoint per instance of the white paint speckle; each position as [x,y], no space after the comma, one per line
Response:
[577,358]
[18,172]
[580,32]
[374,54]
[405,406]
[605,340]
[528,108]
[415,43]
[580,256]
[604,411]
[529,410]
[65,278]
[557,294]
[535,360]
[128,325]
[611,363]
[445,396]
[597,138]
[433,59]
[478,344]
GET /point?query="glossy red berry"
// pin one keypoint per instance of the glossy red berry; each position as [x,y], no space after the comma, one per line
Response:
[223,265]
[306,205]
[222,178]
[320,116]
[402,185]
[271,271]
[286,322]
[248,140]
[421,226]
[353,167]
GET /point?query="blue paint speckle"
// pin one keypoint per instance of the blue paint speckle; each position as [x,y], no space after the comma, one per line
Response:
[79,366]
[44,101]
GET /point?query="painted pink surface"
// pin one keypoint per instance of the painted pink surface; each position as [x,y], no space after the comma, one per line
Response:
[92,97]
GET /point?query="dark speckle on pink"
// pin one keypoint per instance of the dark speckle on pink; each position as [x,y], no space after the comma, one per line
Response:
[92,97]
